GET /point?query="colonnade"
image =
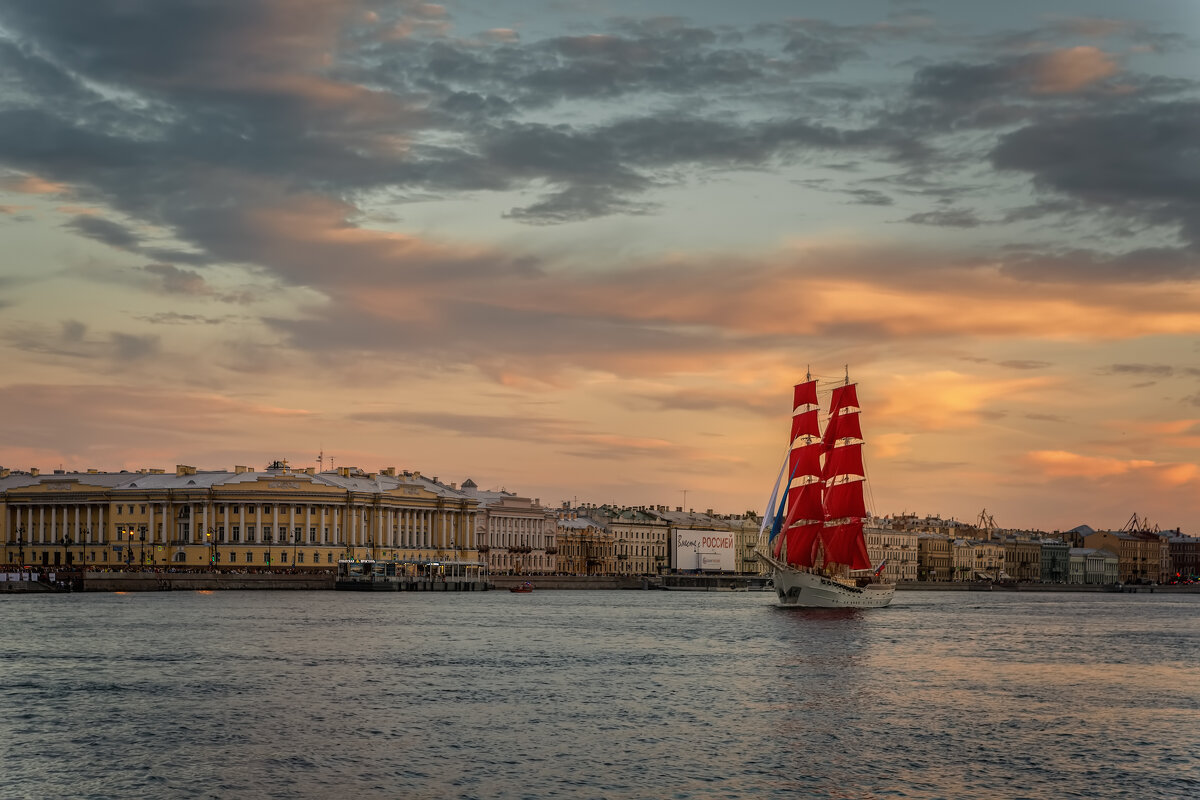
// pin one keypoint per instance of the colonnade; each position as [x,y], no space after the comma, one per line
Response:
[197,523]
[518,531]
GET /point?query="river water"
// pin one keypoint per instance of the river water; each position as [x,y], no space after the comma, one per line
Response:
[598,694]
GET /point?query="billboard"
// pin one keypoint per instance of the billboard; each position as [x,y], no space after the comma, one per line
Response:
[702,550]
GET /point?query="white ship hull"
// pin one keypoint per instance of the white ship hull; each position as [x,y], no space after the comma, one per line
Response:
[799,589]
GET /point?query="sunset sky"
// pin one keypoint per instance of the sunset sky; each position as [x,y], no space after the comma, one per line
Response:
[582,250]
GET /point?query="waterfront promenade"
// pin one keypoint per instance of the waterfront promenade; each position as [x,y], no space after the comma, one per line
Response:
[204,580]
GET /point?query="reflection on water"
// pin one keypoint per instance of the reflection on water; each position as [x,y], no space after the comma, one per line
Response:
[599,694]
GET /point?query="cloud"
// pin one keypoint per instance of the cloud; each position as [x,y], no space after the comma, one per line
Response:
[1070,70]
[569,436]
[949,400]
[110,425]
[1065,464]
[31,184]
[132,347]
[1023,364]
[1125,161]
[1150,370]
[949,218]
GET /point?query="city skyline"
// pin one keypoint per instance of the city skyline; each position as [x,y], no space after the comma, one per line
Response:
[568,249]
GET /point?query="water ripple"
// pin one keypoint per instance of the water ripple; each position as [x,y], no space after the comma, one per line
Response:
[617,695]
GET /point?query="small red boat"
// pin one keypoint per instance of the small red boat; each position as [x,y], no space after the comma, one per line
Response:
[522,588]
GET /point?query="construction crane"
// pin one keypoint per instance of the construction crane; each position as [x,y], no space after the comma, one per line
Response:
[1138,524]
[986,522]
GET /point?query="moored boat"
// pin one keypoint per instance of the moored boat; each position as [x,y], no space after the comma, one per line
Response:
[813,538]
[521,588]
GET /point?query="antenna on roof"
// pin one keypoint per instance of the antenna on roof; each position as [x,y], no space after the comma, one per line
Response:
[321,460]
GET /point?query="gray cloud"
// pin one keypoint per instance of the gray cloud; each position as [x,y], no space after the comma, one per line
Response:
[1151,370]
[1128,161]
[130,347]
[948,218]
[106,231]
[1024,364]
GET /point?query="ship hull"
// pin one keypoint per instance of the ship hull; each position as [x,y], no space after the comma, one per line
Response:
[797,589]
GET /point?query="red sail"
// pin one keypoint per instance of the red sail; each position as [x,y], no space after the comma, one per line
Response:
[842,426]
[805,460]
[804,503]
[844,544]
[845,396]
[845,500]
[844,460]
[802,544]
[805,424]
[805,394]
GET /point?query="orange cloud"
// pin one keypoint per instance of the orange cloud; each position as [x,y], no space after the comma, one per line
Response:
[1071,70]
[1061,463]
[32,184]
[947,400]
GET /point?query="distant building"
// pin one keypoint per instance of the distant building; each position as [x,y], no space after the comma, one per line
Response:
[1144,556]
[516,535]
[1185,557]
[1022,560]
[585,547]
[1093,566]
[1056,561]
[276,517]
[935,558]
[897,547]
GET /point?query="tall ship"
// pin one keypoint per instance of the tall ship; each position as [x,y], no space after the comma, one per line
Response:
[812,533]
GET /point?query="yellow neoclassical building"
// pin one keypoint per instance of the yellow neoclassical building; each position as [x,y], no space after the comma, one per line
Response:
[278,517]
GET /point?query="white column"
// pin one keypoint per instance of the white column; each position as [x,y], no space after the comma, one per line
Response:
[101,531]
[225,524]
[204,525]
[307,523]
[258,523]
[150,523]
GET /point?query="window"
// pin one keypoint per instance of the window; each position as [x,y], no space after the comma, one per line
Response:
[299,509]
[232,557]
[296,533]
[233,509]
[143,508]
[237,534]
[325,536]
[249,556]
[221,533]
[283,557]
[312,534]
[329,558]
[300,557]
[249,533]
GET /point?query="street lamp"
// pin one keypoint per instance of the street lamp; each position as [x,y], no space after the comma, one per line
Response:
[21,544]
[84,533]
[211,541]
[295,543]
[142,558]
[66,542]
[267,539]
